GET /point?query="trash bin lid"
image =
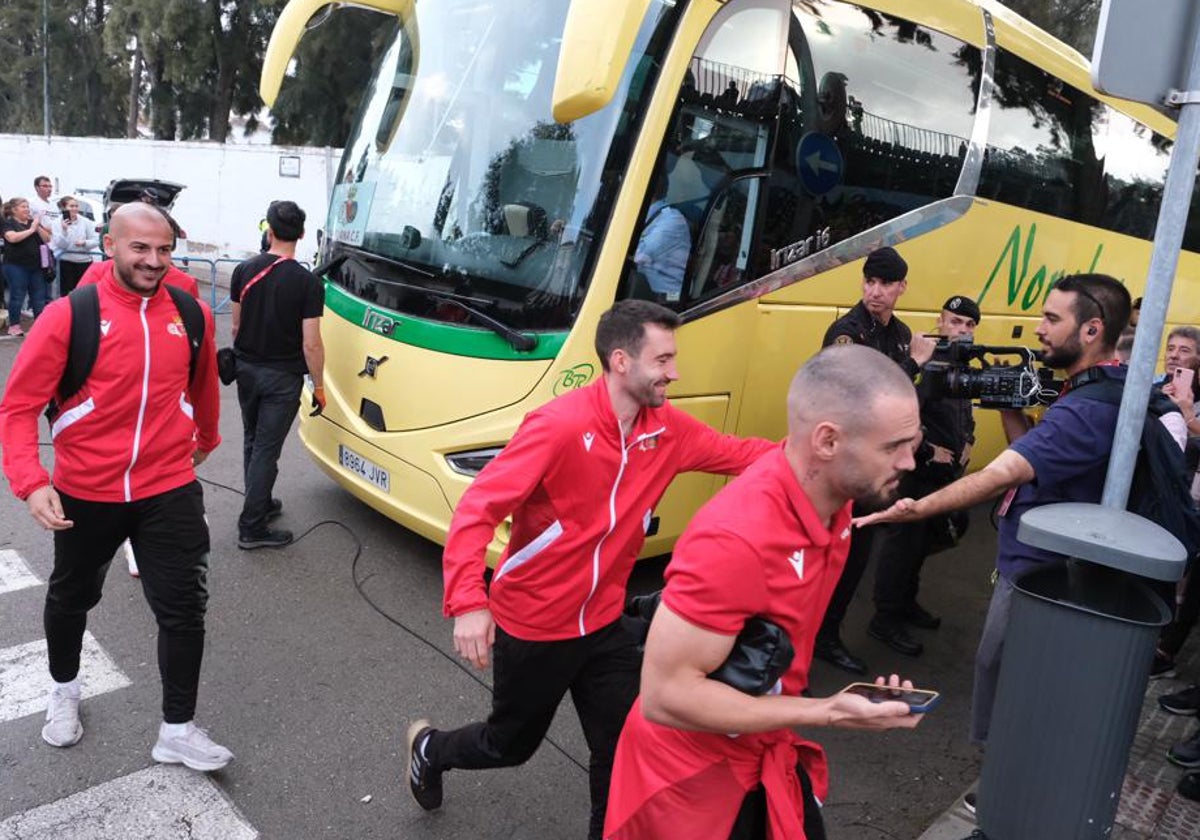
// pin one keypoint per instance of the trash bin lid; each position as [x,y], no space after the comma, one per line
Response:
[1105,536]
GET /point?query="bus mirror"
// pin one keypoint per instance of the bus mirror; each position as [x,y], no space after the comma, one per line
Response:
[597,41]
[297,17]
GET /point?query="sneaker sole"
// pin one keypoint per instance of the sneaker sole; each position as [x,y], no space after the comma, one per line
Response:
[1187,765]
[251,546]
[1184,711]
[165,756]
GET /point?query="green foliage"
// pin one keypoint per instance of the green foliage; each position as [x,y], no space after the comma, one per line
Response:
[86,81]
[191,65]
[316,106]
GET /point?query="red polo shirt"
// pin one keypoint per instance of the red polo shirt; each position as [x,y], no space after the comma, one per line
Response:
[758,548]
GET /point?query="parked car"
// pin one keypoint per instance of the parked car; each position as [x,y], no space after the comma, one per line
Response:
[124,190]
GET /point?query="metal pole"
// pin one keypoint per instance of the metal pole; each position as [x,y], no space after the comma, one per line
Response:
[1168,239]
[46,68]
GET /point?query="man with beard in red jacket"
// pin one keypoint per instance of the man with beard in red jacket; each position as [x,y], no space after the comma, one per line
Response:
[126,447]
[580,478]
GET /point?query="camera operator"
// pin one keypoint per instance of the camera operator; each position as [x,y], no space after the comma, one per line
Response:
[949,427]
[1064,458]
[872,323]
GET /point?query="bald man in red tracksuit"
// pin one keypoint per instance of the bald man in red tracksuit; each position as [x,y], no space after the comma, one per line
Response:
[126,446]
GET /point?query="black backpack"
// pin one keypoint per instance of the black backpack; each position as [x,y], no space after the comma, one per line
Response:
[1161,488]
[83,346]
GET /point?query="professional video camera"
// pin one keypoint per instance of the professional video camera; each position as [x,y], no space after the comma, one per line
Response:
[992,385]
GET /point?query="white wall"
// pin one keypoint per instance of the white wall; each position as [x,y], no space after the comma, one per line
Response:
[228,186]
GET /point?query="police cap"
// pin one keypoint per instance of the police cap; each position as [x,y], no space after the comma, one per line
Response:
[886,265]
[963,306]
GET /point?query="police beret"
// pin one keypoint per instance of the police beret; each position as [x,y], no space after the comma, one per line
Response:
[964,306]
[886,265]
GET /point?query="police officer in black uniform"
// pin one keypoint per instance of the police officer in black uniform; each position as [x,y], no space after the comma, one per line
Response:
[872,323]
[949,432]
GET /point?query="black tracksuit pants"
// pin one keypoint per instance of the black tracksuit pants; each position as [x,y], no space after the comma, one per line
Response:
[170,540]
[531,678]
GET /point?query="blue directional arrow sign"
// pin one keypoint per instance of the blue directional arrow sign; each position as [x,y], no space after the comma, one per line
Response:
[819,163]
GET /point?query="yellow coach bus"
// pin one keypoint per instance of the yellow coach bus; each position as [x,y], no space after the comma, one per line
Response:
[510,156]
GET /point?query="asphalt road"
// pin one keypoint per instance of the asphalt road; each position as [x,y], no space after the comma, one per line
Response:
[312,688]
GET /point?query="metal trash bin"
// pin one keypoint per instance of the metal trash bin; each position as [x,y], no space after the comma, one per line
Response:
[1077,656]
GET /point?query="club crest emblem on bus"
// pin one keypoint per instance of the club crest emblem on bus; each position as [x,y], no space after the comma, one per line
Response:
[372,365]
[574,377]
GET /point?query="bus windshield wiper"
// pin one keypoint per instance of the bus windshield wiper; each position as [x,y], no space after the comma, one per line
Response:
[520,342]
[471,305]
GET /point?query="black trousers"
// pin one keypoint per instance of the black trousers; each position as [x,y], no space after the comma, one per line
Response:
[531,678]
[899,558]
[69,275]
[170,539]
[861,543]
[1176,633]
[751,822]
[269,399]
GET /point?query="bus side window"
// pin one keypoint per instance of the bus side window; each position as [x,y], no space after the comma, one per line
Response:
[709,180]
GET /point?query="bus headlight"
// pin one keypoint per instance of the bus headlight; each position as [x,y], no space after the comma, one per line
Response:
[471,462]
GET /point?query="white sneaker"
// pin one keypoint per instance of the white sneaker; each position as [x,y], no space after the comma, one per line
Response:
[63,728]
[130,559]
[192,749]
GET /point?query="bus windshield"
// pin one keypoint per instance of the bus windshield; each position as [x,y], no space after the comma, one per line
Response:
[459,199]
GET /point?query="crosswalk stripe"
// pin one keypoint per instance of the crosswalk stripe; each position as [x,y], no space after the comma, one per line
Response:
[14,573]
[163,802]
[25,676]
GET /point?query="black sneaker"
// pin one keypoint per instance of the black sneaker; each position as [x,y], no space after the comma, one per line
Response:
[275,510]
[424,782]
[969,802]
[267,538]
[1189,787]
[1186,753]
[1163,667]
[1186,702]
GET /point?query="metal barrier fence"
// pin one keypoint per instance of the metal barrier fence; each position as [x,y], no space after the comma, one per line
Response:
[185,263]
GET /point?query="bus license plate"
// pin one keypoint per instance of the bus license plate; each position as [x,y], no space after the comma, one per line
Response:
[364,469]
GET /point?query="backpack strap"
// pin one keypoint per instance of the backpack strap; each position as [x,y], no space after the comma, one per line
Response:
[83,343]
[193,324]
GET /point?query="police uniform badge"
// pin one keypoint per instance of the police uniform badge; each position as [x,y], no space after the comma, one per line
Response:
[843,339]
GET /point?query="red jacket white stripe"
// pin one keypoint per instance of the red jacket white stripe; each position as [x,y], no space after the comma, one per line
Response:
[581,496]
[131,430]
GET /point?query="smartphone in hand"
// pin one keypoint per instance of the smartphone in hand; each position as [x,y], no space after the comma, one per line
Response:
[919,700]
[1183,378]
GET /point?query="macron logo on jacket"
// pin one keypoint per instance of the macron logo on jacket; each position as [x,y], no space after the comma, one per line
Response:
[588,439]
[797,561]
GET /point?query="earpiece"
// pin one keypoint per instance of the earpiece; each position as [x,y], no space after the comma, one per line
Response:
[1091,330]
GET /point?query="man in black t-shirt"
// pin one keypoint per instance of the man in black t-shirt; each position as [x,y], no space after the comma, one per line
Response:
[277,307]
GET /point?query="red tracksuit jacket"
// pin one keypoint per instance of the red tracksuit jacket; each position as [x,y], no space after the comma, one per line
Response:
[131,430]
[581,497]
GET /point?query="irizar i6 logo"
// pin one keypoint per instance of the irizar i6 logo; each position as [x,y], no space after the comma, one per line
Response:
[379,322]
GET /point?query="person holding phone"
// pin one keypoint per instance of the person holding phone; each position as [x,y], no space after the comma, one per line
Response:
[24,235]
[73,237]
[697,758]
[1181,350]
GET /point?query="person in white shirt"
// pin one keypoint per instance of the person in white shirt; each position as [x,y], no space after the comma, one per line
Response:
[71,239]
[42,203]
